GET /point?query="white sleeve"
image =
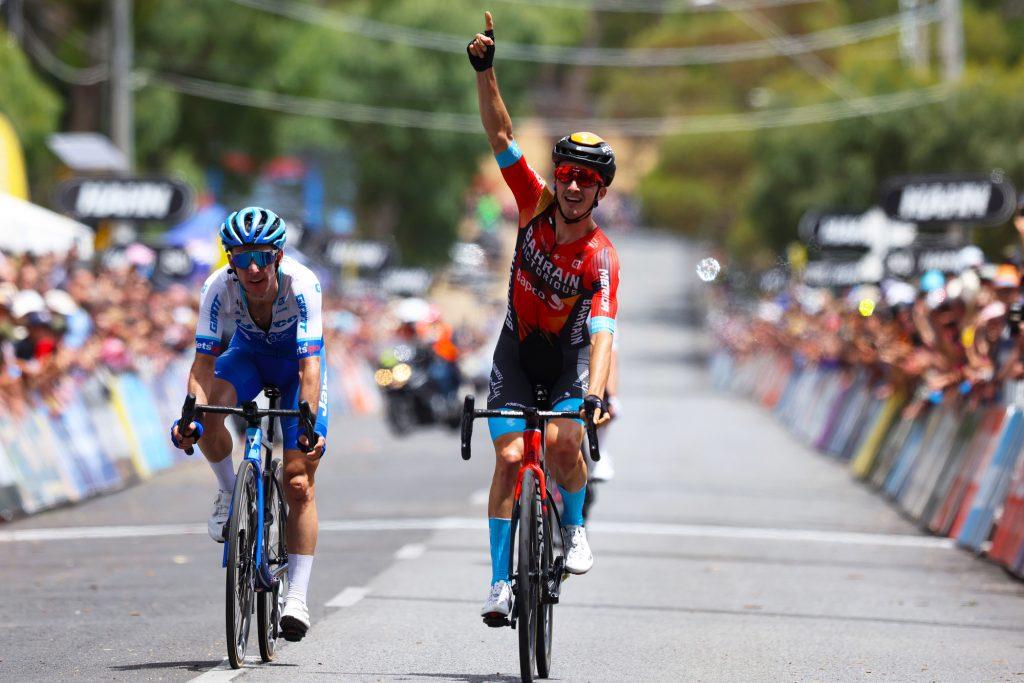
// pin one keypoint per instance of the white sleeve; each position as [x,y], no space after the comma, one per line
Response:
[213,304]
[309,338]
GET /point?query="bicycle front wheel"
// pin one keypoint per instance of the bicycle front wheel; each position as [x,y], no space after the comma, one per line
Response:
[269,604]
[241,540]
[546,609]
[528,575]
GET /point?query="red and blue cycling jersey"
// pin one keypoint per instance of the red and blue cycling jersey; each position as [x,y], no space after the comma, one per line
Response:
[566,292]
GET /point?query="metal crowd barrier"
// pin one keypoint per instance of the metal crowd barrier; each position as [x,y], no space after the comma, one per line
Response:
[109,430]
[955,472]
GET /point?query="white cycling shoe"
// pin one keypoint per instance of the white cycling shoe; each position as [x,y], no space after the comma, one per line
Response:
[498,604]
[578,558]
[219,516]
[294,620]
[603,469]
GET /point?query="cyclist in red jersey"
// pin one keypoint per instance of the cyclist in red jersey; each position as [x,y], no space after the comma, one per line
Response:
[560,322]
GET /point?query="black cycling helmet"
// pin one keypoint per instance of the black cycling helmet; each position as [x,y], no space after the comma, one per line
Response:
[589,150]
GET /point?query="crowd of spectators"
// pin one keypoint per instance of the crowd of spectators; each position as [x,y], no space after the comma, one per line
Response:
[62,319]
[946,337]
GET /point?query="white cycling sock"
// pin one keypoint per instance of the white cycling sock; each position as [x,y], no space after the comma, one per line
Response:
[299,567]
[225,472]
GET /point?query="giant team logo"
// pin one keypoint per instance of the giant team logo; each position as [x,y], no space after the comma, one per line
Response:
[214,312]
[300,300]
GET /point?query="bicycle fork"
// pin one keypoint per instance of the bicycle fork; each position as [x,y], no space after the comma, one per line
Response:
[254,445]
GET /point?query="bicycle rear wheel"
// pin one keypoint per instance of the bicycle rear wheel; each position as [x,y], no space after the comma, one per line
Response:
[546,608]
[241,540]
[527,575]
[270,603]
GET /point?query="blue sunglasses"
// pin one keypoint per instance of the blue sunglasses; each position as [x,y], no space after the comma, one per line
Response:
[262,259]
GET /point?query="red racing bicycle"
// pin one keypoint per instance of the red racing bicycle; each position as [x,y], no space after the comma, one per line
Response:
[536,560]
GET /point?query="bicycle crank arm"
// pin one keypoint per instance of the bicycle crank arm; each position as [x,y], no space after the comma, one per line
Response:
[553,582]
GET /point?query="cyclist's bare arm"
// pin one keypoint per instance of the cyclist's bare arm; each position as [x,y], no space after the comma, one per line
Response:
[309,391]
[493,113]
[612,387]
[200,377]
[600,362]
[200,382]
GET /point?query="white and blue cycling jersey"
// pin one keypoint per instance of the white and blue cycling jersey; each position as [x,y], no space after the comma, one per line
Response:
[296,330]
[254,358]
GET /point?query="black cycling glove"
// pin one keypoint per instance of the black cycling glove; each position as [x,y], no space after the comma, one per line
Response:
[482,63]
[593,402]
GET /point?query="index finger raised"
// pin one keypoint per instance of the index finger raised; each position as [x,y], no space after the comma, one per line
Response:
[488,21]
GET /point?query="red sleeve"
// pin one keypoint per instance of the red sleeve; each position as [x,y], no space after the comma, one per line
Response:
[603,271]
[530,190]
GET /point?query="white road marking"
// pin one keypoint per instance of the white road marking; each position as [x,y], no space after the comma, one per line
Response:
[83,532]
[480,497]
[410,551]
[348,597]
[478,523]
[221,672]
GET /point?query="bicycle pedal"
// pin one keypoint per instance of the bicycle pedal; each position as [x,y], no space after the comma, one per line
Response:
[496,620]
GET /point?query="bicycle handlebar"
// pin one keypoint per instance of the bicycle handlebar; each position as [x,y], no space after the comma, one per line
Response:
[250,412]
[469,414]
[188,411]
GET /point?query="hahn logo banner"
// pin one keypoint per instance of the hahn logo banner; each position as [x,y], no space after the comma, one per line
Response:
[871,230]
[978,199]
[843,273]
[124,199]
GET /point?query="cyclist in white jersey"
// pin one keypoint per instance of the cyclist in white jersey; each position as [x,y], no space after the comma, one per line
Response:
[270,306]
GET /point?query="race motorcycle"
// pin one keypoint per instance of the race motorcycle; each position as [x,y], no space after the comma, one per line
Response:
[412,397]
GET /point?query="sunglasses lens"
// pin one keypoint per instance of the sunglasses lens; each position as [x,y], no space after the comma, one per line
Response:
[262,259]
[584,177]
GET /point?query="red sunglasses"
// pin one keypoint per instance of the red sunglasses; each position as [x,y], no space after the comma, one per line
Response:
[584,177]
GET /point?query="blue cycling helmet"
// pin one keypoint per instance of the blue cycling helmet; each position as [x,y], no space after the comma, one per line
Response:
[252,225]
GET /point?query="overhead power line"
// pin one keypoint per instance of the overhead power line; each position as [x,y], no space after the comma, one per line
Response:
[470,123]
[655,6]
[58,68]
[596,56]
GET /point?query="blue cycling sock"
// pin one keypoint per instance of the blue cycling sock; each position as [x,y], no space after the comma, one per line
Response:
[500,529]
[572,506]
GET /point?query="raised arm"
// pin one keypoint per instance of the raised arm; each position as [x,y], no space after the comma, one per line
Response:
[493,114]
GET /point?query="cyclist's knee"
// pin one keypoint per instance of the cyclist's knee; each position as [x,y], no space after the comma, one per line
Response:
[509,456]
[299,489]
[565,447]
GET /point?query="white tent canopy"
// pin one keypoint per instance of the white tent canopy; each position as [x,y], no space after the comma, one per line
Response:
[27,227]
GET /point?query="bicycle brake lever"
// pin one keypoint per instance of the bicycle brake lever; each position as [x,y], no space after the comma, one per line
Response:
[308,425]
[592,445]
[467,426]
[188,411]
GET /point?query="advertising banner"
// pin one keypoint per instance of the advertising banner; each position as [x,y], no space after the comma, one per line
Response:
[976,199]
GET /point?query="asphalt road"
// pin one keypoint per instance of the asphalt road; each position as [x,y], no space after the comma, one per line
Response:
[725,550]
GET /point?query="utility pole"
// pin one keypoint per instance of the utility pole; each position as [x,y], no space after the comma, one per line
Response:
[122,115]
[952,41]
[15,18]
[913,35]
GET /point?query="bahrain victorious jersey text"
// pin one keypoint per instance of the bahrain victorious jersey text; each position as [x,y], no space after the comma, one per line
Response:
[565,291]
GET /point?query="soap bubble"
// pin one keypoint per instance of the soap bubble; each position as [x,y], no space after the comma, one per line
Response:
[708,269]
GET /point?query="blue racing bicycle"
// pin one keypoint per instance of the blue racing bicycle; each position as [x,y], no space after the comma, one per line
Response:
[255,551]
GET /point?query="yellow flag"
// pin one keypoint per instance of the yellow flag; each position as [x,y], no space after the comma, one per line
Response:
[12,164]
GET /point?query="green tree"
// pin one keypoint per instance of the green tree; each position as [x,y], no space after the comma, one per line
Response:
[31,105]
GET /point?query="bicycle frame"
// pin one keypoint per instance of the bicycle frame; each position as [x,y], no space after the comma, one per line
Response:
[255,447]
[533,454]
